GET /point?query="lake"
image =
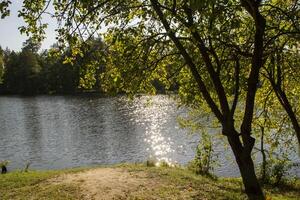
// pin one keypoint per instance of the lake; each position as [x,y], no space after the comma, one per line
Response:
[56,132]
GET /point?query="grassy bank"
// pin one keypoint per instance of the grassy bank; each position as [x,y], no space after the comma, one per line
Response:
[33,185]
[140,182]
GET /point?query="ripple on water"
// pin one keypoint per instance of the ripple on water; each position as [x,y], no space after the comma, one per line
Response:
[61,132]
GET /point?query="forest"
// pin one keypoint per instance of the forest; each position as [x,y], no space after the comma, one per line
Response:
[34,71]
[29,72]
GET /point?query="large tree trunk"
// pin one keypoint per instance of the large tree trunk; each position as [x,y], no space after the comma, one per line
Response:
[252,186]
[246,167]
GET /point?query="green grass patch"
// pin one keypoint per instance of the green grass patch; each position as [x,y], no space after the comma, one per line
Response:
[33,185]
[162,183]
[179,183]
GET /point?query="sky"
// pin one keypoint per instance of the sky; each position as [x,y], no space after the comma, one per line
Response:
[11,37]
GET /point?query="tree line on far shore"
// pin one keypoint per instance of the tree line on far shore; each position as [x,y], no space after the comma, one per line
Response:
[55,70]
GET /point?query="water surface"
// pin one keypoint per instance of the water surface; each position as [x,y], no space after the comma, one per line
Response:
[62,132]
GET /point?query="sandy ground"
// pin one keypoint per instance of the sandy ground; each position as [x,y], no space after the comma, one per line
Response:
[108,183]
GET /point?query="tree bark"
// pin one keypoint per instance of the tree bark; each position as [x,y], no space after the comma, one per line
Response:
[251,183]
[263,154]
[246,167]
[288,108]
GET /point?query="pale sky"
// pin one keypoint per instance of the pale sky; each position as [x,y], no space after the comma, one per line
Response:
[10,36]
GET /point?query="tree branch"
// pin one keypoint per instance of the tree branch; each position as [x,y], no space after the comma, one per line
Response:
[189,62]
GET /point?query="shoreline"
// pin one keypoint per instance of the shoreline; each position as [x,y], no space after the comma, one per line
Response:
[129,181]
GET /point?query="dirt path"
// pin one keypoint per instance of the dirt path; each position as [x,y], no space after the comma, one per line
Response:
[108,183]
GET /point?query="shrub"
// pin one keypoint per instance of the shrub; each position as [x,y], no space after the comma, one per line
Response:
[150,163]
[204,161]
[277,169]
[3,165]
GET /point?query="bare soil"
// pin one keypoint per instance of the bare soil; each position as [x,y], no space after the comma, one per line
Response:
[108,183]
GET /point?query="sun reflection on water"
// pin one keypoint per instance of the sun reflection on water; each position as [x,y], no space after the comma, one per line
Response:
[154,113]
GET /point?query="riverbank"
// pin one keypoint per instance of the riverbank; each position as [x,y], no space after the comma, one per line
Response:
[128,182]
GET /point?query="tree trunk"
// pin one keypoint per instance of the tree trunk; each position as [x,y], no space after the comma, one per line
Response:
[289,110]
[251,183]
[246,167]
[264,159]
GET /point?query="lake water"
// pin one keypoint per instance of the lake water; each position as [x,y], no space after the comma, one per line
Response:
[62,132]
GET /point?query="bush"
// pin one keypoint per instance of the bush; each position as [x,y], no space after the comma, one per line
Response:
[158,163]
[3,166]
[277,169]
[4,163]
[164,164]
[204,161]
[150,163]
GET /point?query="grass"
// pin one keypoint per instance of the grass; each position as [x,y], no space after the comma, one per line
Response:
[167,183]
[178,183]
[33,185]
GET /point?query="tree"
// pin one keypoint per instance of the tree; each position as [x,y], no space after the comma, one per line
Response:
[57,76]
[282,57]
[283,77]
[91,63]
[222,47]
[241,147]
[21,72]
[4,11]
[31,45]
[1,65]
